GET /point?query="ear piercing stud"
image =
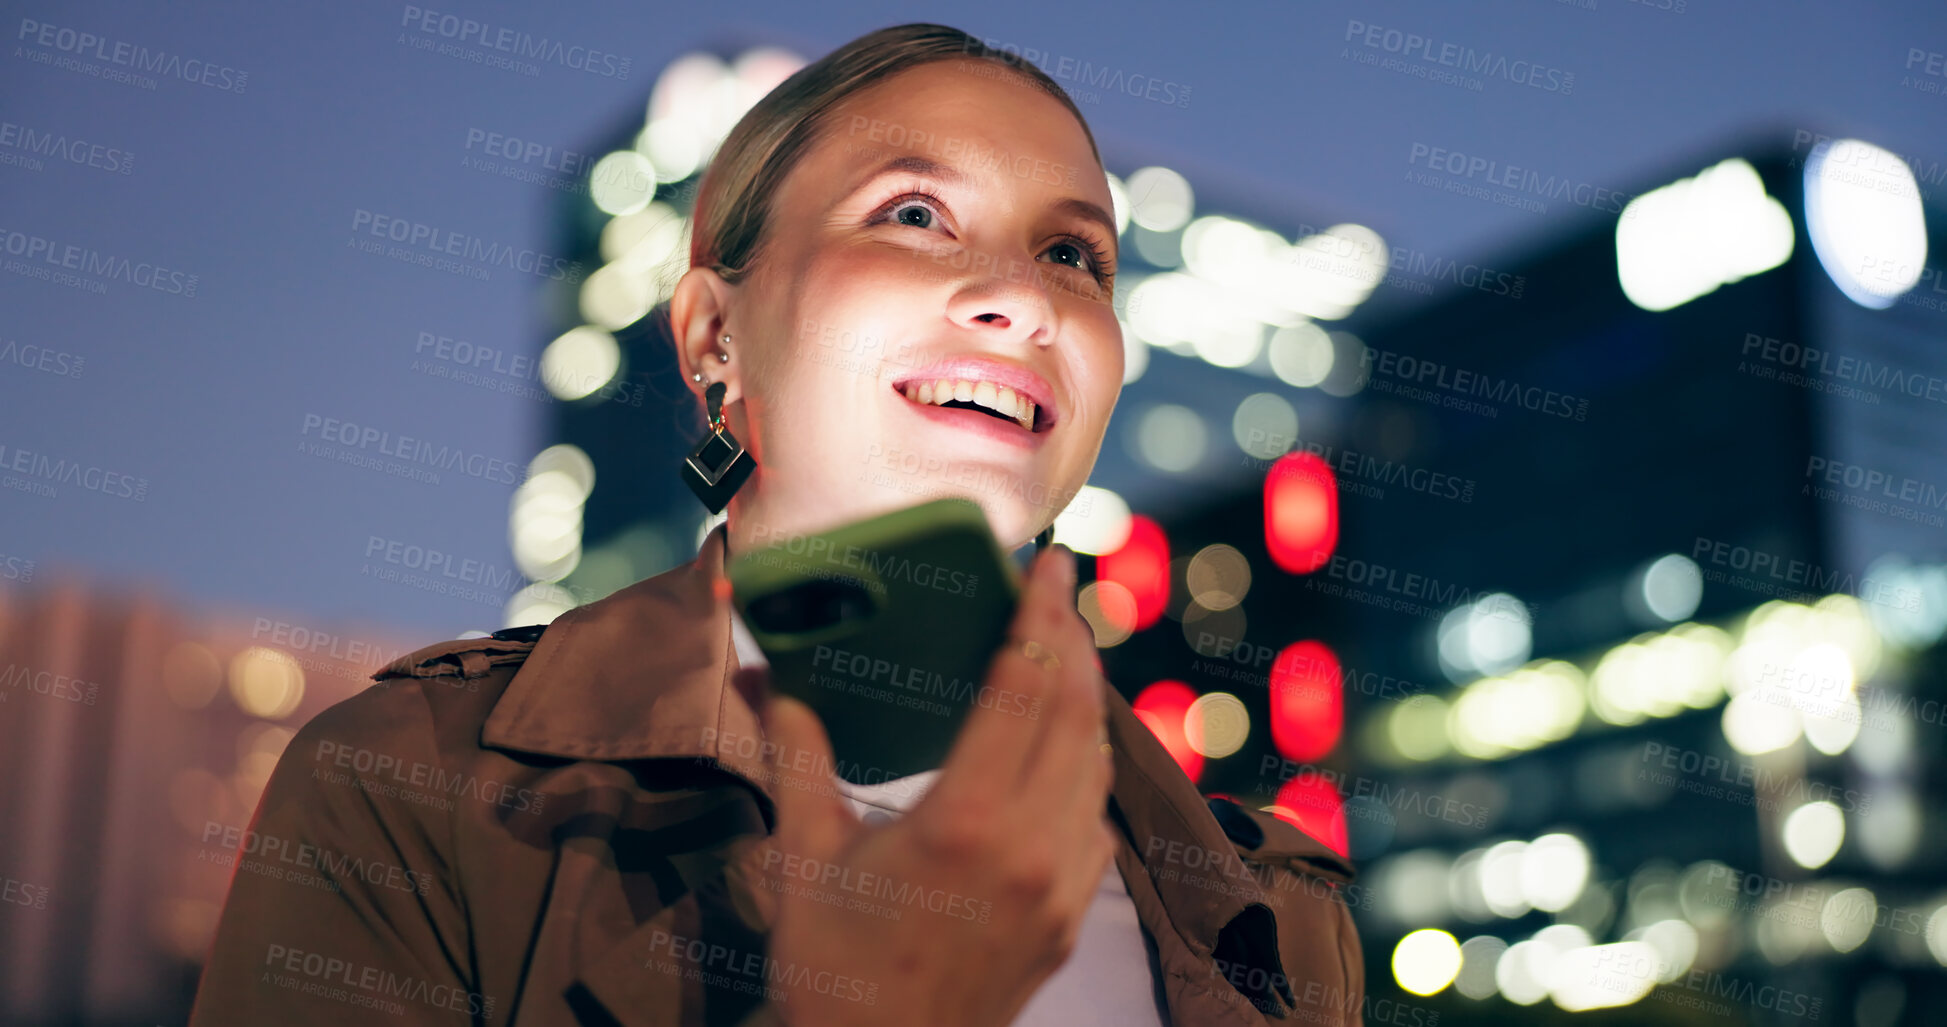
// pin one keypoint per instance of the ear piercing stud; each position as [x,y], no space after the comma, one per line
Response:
[722,358]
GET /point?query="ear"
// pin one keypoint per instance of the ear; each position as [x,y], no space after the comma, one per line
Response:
[698,310]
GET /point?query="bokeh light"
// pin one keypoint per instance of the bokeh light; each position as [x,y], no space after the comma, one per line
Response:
[1301,512]
[1162,707]
[1141,566]
[1426,961]
[1307,701]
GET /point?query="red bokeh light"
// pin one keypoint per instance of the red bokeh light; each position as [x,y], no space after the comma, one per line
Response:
[1311,803]
[1301,512]
[1161,707]
[1117,605]
[1142,566]
[1307,701]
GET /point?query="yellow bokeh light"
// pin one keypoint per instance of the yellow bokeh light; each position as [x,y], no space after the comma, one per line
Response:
[1218,576]
[616,296]
[191,675]
[1110,610]
[266,682]
[1417,728]
[580,361]
[1217,724]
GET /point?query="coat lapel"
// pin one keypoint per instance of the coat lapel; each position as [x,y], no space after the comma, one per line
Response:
[701,960]
[1207,914]
[641,674]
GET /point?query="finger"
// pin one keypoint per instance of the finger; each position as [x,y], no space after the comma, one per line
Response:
[1074,774]
[1073,777]
[997,740]
[1077,716]
[813,819]
[1064,776]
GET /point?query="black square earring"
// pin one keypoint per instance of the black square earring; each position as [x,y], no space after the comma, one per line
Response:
[717,467]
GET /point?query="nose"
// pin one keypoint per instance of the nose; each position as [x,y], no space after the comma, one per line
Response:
[1009,302]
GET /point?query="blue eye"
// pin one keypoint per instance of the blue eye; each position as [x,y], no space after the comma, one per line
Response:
[922,217]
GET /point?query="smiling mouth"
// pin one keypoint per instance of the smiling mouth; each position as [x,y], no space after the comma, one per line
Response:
[997,401]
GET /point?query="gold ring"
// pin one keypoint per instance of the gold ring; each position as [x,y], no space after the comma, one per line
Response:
[1039,653]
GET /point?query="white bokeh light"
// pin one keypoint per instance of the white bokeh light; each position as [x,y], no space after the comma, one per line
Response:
[1685,239]
[1813,833]
[1159,199]
[1863,212]
[1671,587]
[1426,961]
[1096,521]
[1171,437]
[1554,871]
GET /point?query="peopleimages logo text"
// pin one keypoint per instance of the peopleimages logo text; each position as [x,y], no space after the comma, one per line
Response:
[1845,367]
[1517,178]
[1084,73]
[404,447]
[55,146]
[1407,367]
[89,261]
[467,247]
[72,472]
[515,42]
[89,46]
[527,151]
[1861,478]
[1453,55]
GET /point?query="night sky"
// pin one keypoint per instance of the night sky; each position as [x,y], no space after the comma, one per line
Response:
[286,127]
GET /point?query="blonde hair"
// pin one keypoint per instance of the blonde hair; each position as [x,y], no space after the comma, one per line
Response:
[733,201]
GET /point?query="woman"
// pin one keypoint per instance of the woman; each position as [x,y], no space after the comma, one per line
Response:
[610,820]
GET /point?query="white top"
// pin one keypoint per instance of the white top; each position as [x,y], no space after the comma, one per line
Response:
[1109,979]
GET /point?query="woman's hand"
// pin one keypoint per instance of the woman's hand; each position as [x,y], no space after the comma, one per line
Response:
[1008,846]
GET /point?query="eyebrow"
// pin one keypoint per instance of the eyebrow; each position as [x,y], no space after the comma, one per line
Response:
[912,163]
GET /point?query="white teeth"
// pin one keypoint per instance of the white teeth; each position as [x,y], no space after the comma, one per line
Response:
[1001,399]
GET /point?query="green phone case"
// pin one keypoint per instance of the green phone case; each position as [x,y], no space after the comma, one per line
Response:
[885,628]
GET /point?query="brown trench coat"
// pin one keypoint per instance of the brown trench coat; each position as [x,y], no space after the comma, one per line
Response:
[568,827]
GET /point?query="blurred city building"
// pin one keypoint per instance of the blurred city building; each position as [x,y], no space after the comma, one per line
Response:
[143,734]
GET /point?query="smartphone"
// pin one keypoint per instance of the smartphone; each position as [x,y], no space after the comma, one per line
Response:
[885,628]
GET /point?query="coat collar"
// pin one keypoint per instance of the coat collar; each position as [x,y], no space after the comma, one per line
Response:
[645,673]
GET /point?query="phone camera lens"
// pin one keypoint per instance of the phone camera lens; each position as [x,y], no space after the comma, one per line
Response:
[810,606]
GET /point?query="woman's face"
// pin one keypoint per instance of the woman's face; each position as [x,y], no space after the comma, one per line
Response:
[949,239]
